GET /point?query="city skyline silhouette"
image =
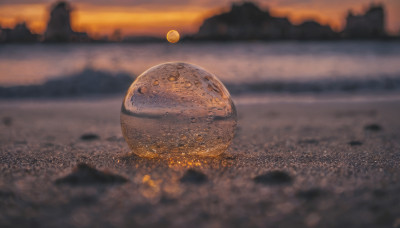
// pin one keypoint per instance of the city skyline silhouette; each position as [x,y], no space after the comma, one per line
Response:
[155,18]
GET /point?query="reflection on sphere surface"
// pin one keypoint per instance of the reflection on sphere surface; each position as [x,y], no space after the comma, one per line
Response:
[175,109]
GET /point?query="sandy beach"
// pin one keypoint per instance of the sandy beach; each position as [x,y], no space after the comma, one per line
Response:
[292,164]
[316,86]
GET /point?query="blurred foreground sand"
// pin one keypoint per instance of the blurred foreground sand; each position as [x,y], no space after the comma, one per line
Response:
[291,164]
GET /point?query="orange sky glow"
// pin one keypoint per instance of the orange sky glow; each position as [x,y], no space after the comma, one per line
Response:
[99,20]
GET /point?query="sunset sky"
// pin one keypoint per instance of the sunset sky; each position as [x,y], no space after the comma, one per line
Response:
[156,17]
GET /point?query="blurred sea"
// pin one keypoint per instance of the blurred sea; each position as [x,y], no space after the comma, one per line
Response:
[246,67]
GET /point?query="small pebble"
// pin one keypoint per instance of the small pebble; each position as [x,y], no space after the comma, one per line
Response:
[7,121]
[84,174]
[355,143]
[379,193]
[6,194]
[89,136]
[167,200]
[310,194]
[274,178]
[372,127]
[194,177]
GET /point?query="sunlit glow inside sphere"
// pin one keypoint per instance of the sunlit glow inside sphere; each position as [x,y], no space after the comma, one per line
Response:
[176,109]
[173,36]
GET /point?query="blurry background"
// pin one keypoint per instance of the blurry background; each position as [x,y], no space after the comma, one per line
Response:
[287,46]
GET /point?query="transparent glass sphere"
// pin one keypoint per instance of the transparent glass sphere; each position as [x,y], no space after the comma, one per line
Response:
[175,109]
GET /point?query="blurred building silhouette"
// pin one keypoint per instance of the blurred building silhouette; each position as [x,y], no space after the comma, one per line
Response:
[20,33]
[246,21]
[59,25]
[369,25]
[311,30]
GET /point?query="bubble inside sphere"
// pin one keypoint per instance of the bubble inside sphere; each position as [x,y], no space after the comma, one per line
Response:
[175,109]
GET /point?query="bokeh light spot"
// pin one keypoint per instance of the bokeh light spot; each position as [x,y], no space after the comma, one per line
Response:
[173,36]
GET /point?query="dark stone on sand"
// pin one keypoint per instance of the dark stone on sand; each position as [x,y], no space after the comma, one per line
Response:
[310,194]
[84,174]
[385,218]
[89,136]
[373,127]
[6,194]
[84,200]
[355,143]
[141,209]
[274,178]
[194,177]
[231,157]
[379,193]
[167,200]
[7,121]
